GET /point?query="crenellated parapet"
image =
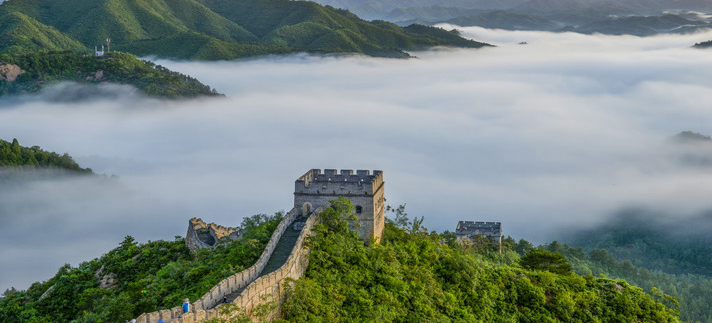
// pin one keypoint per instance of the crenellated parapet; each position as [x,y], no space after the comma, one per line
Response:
[249,289]
[365,190]
[345,183]
[490,230]
[270,288]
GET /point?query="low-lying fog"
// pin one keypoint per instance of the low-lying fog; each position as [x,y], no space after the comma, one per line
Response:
[563,131]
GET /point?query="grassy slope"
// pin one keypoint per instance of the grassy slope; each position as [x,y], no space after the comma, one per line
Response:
[309,26]
[20,33]
[225,29]
[91,22]
[199,46]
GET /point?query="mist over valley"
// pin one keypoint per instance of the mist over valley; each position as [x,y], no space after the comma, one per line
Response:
[557,134]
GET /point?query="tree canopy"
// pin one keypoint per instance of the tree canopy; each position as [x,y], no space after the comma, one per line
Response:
[12,154]
[539,259]
[142,278]
[44,68]
[416,276]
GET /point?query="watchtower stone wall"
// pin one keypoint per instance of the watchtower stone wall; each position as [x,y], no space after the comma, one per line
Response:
[363,188]
[491,230]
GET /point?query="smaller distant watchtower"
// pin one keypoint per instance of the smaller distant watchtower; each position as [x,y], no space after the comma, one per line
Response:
[491,230]
[364,189]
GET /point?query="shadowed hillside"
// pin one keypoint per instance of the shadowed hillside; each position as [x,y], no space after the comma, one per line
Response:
[29,73]
[705,44]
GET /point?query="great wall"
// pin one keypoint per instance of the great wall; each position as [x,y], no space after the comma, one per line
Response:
[264,282]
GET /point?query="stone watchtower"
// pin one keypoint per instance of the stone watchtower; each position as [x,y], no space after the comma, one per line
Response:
[491,230]
[364,189]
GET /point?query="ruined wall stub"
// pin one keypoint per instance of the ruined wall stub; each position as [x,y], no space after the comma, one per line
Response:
[206,235]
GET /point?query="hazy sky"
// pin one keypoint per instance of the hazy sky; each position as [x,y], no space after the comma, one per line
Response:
[563,131]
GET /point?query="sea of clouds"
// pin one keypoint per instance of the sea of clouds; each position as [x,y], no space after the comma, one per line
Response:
[555,134]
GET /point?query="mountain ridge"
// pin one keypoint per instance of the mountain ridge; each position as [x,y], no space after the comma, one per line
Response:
[636,17]
[30,73]
[213,29]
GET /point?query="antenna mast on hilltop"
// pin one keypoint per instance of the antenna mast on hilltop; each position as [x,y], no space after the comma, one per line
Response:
[108,45]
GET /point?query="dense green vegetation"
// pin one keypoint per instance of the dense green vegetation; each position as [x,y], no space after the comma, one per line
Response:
[412,276]
[421,276]
[43,68]
[208,29]
[651,250]
[672,245]
[14,155]
[22,34]
[146,277]
[694,292]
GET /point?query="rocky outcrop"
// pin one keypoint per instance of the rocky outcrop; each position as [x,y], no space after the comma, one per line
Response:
[206,235]
[10,72]
[98,75]
[106,281]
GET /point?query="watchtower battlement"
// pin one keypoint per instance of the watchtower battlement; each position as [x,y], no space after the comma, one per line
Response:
[491,230]
[343,183]
[363,188]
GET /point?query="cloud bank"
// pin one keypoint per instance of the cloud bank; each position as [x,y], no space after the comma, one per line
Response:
[560,132]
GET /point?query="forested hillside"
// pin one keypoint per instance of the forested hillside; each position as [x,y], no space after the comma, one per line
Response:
[651,250]
[135,278]
[640,17]
[421,276]
[653,241]
[693,292]
[14,155]
[412,276]
[20,33]
[35,70]
[208,29]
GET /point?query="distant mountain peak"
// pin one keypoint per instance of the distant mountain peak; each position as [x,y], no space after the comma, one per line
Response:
[207,29]
[691,137]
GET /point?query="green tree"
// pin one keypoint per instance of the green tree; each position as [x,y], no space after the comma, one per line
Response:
[539,259]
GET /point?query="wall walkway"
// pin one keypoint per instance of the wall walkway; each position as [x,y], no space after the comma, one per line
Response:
[255,285]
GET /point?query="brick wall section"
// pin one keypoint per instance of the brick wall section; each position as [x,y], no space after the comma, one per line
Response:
[270,288]
[202,308]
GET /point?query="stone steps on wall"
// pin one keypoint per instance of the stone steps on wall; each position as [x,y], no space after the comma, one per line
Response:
[283,250]
[268,289]
[235,284]
[279,256]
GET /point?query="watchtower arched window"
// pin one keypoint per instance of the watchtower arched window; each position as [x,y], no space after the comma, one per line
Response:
[359,209]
